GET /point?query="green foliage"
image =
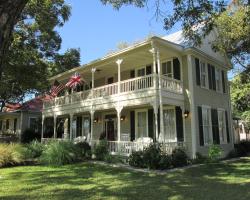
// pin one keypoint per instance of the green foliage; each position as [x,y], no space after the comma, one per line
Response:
[60,153]
[29,135]
[101,150]
[11,154]
[115,158]
[34,149]
[214,152]
[165,162]
[84,149]
[152,156]
[179,158]
[136,159]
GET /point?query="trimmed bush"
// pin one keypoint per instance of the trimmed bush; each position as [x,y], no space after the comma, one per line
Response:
[152,156]
[60,153]
[136,159]
[35,149]
[101,150]
[84,149]
[165,162]
[11,154]
[214,153]
[29,135]
[179,158]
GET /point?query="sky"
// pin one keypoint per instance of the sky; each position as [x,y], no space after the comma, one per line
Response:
[96,28]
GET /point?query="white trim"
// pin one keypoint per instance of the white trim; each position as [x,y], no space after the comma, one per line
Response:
[136,121]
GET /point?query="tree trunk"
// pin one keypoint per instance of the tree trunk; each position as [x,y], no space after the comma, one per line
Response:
[10,11]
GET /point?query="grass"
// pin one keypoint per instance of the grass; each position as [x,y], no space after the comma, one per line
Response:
[92,181]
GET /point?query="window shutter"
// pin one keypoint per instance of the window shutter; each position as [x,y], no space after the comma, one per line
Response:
[177,69]
[179,124]
[209,70]
[132,125]
[213,78]
[200,126]
[215,126]
[227,127]
[223,81]
[151,123]
[197,66]
[148,69]
[132,74]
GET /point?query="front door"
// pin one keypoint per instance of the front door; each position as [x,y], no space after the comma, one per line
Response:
[110,130]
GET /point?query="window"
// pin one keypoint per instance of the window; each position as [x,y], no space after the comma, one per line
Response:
[203,75]
[141,72]
[206,125]
[141,124]
[7,126]
[222,126]
[1,125]
[169,126]
[218,80]
[33,123]
[86,126]
[167,69]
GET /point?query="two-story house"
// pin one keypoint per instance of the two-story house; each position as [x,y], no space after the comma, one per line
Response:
[161,88]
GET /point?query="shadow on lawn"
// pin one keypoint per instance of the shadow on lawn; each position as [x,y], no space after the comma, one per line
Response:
[90,181]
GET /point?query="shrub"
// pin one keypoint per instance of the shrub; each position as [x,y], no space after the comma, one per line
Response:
[152,156]
[179,158]
[11,154]
[214,153]
[101,150]
[136,159]
[34,149]
[60,153]
[84,149]
[115,158]
[29,135]
[165,162]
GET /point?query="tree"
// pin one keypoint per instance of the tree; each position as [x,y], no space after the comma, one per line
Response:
[35,44]
[200,17]
[240,96]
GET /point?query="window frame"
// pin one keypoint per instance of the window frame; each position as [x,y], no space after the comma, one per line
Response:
[136,122]
[202,73]
[224,133]
[210,136]
[172,68]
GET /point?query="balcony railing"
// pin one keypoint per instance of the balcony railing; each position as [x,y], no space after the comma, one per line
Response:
[130,85]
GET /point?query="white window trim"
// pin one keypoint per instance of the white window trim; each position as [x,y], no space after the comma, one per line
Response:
[210,125]
[171,108]
[206,83]
[225,127]
[136,121]
[172,67]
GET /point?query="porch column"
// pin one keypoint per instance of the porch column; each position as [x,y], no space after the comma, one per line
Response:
[160,93]
[118,110]
[92,112]
[183,121]
[42,126]
[119,62]
[155,106]
[71,115]
[153,51]
[93,81]
[55,133]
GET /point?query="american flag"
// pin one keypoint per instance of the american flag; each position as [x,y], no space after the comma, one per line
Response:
[74,80]
[56,88]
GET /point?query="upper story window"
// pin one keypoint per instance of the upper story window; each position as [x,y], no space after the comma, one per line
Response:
[167,69]
[141,72]
[218,80]
[203,74]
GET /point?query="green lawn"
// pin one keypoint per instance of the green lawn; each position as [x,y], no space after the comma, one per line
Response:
[92,181]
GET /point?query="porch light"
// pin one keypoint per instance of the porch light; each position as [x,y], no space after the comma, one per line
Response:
[95,120]
[122,118]
[186,113]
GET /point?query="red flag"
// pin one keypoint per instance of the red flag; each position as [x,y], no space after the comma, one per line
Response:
[56,88]
[74,80]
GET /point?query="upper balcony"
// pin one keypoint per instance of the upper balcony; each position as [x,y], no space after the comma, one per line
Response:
[140,85]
